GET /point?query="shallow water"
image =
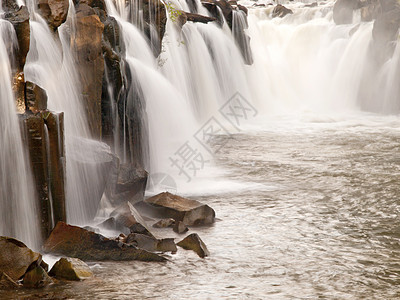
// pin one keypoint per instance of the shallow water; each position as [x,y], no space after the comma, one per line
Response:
[323,223]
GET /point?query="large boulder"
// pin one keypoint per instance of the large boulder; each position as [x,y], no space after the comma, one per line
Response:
[77,242]
[54,11]
[16,258]
[70,269]
[190,212]
[194,242]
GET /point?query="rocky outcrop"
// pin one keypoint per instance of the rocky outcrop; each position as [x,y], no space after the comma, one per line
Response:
[194,242]
[87,44]
[53,11]
[154,17]
[190,212]
[196,18]
[77,242]
[70,269]
[281,11]
[16,258]
[35,97]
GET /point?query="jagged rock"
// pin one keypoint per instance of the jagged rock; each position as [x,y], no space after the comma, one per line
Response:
[16,257]
[54,11]
[280,11]
[35,97]
[128,216]
[190,212]
[19,18]
[212,8]
[198,18]
[71,269]
[90,63]
[193,242]
[36,278]
[164,223]
[150,243]
[77,242]
[6,282]
[180,227]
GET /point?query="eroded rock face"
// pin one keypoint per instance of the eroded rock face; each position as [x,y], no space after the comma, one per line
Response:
[16,257]
[70,269]
[190,212]
[35,97]
[79,243]
[280,11]
[194,242]
[54,11]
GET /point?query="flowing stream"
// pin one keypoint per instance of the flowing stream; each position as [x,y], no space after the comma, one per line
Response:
[304,181]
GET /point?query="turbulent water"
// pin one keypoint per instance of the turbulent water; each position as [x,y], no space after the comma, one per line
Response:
[304,183]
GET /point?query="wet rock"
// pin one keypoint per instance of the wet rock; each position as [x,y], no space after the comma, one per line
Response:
[151,244]
[180,227]
[112,224]
[19,18]
[164,223]
[77,242]
[16,257]
[92,229]
[35,97]
[280,11]
[198,18]
[70,269]
[36,278]
[44,265]
[127,216]
[192,4]
[54,11]
[90,63]
[213,10]
[154,15]
[190,212]
[193,242]
[6,282]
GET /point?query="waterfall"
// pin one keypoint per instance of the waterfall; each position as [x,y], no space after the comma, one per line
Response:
[18,212]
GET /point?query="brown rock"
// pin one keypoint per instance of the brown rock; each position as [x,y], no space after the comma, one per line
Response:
[6,282]
[54,11]
[190,212]
[151,244]
[36,278]
[193,242]
[35,97]
[16,257]
[77,242]
[164,223]
[128,216]
[180,227]
[280,11]
[71,269]
[198,18]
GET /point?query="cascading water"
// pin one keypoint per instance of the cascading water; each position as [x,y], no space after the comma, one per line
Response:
[18,212]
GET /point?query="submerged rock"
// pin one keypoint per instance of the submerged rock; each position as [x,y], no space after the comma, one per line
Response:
[77,242]
[193,242]
[70,269]
[190,212]
[36,278]
[16,257]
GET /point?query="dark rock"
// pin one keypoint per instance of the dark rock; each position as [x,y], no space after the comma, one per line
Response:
[180,227]
[20,20]
[192,6]
[16,258]
[226,10]
[70,269]
[112,224]
[151,244]
[35,97]
[54,11]
[77,242]
[44,265]
[213,10]
[90,63]
[154,15]
[243,8]
[36,278]
[190,212]
[164,223]
[198,18]
[167,245]
[280,11]
[6,282]
[126,215]
[193,242]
